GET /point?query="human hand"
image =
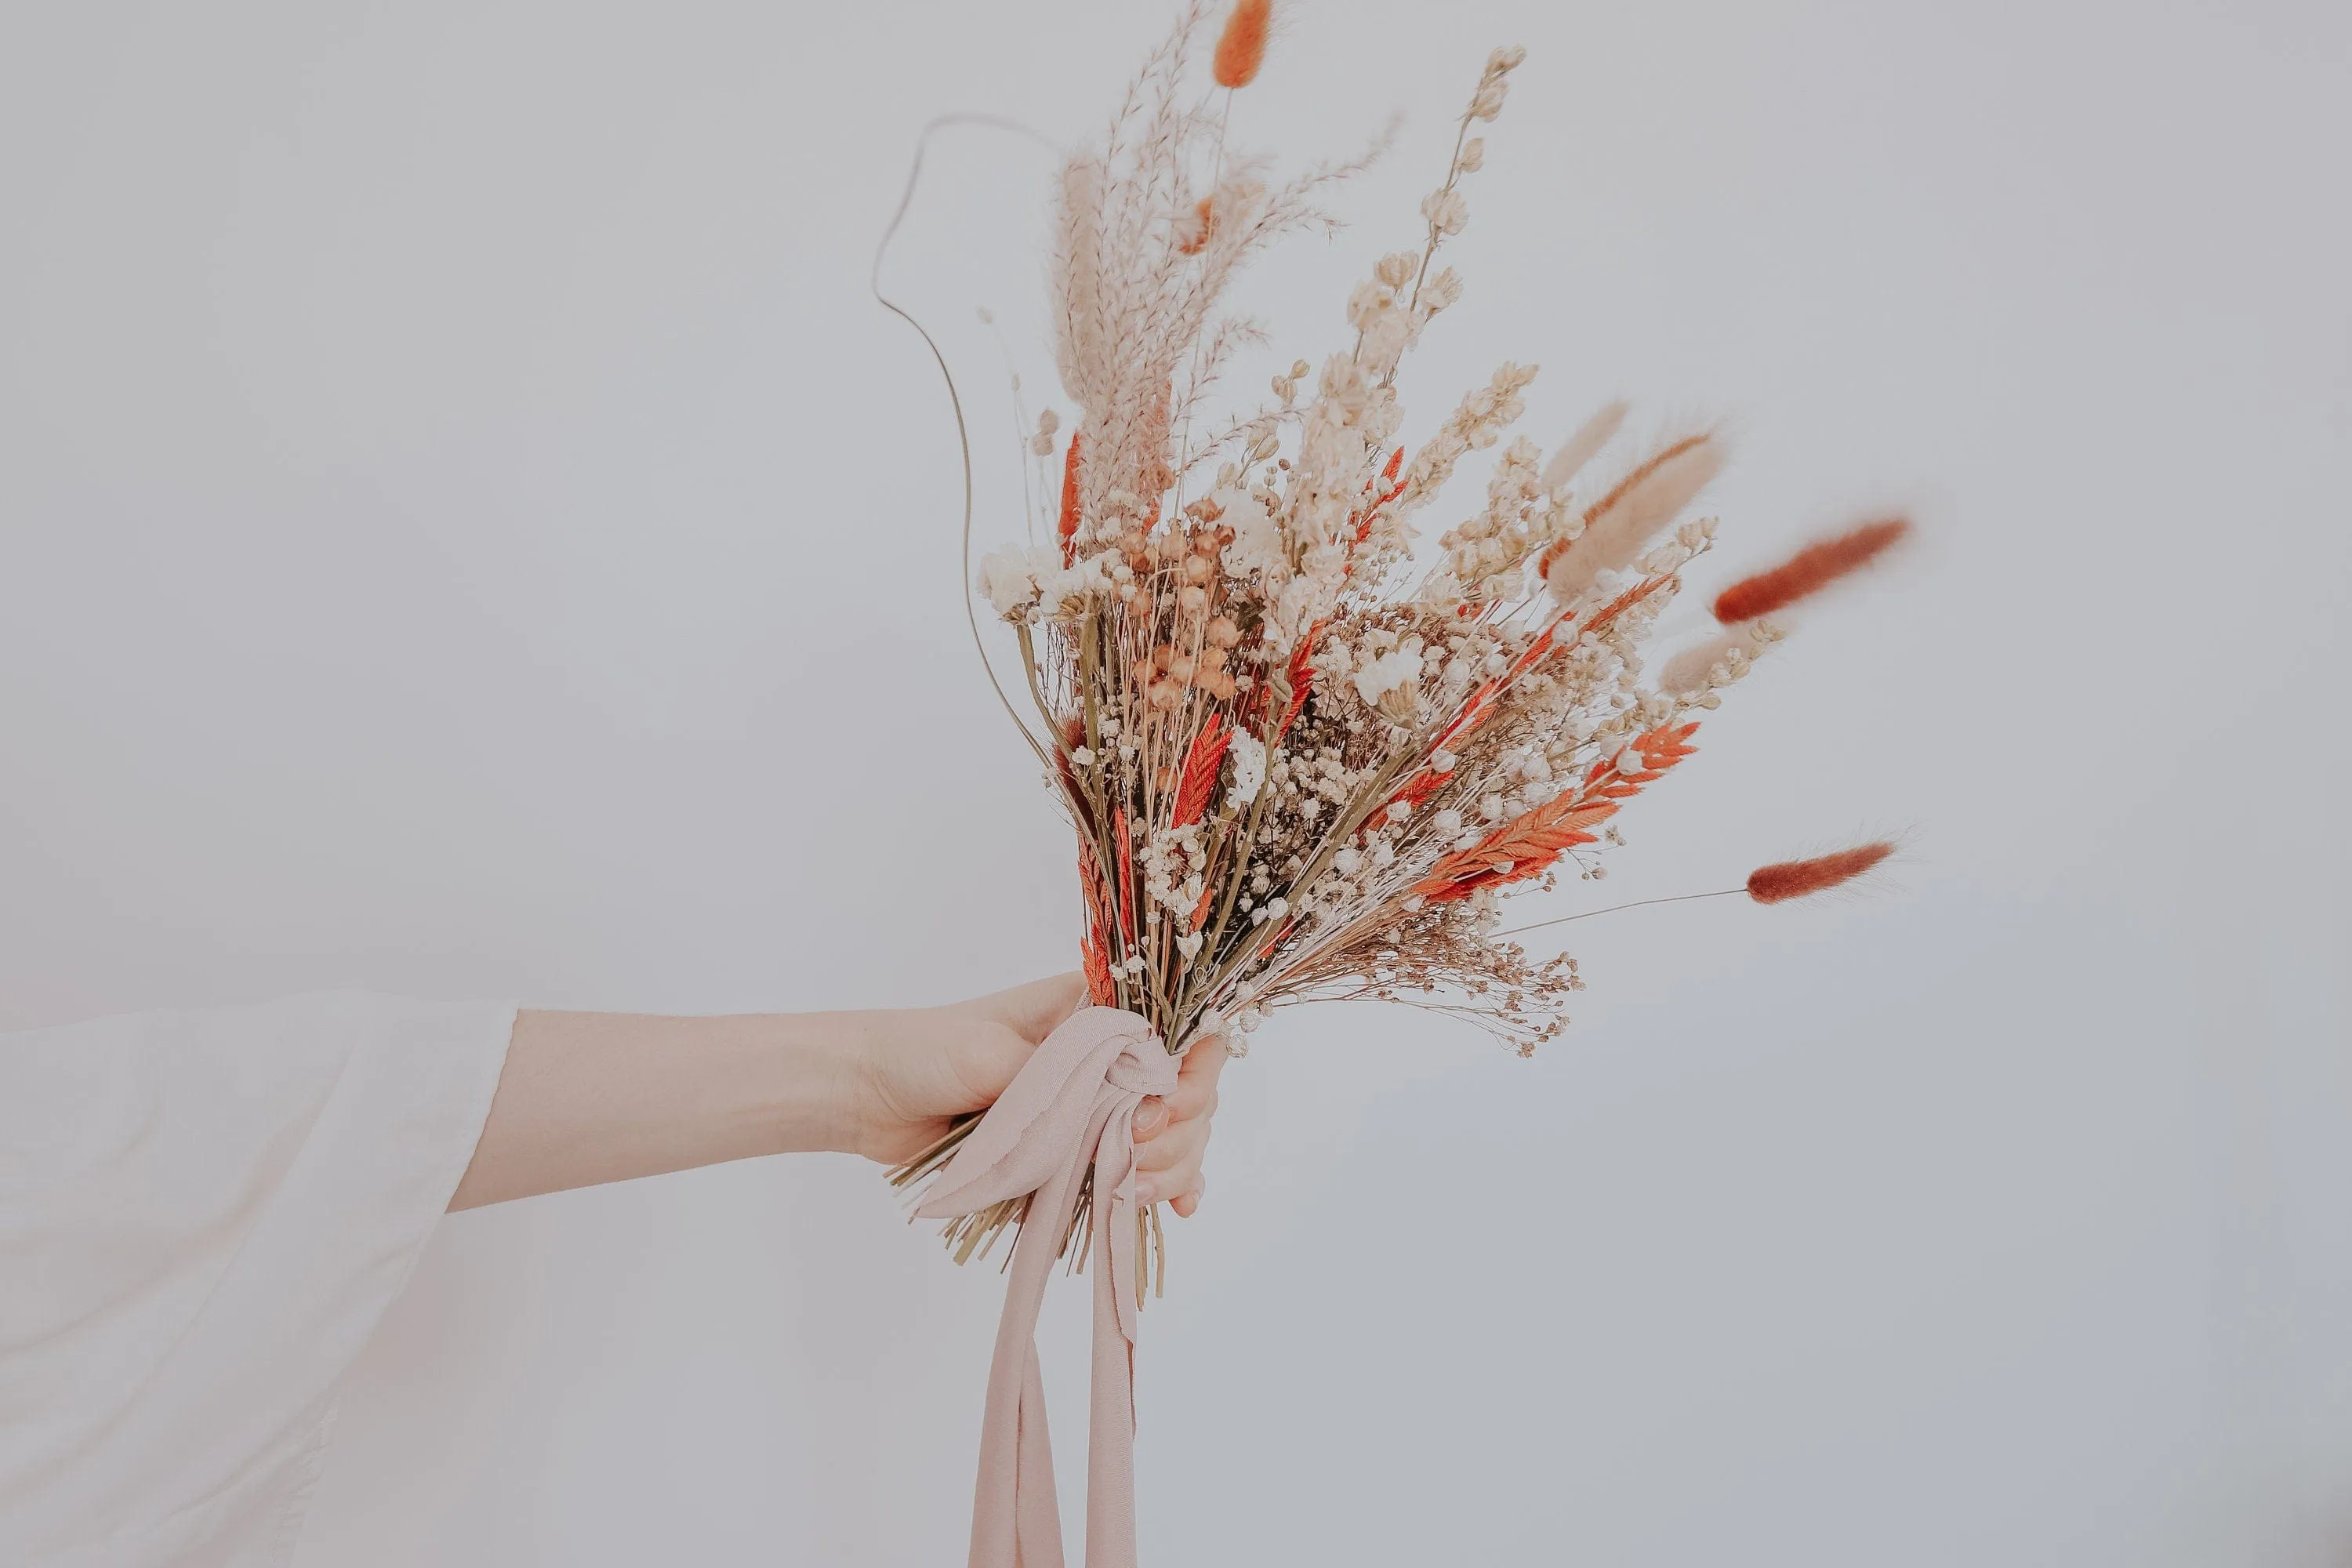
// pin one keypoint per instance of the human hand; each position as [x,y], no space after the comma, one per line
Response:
[920,1069]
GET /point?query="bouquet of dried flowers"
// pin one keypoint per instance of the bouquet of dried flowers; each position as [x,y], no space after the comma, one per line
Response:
[1306,759]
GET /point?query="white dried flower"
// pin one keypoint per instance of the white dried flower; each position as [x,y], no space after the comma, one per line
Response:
[1247,754]
[1257,547]
[1447,211]
[1009,577]
[1387,673]
[1369,303]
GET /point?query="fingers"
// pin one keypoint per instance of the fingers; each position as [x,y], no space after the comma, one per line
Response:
[1196,1080]
[1172,1131]
[1152,1118]
[1180,1181]
[1194,1097]
[1182,1141]
[1033,1011]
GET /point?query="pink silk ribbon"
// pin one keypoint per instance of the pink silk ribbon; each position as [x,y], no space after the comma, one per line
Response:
[1072,1105]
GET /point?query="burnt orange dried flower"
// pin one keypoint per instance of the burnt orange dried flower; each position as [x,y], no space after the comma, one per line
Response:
[1241,48]
[1777,883]
[1808,570]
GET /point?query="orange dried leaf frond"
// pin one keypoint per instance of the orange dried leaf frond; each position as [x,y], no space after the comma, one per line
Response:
[1530,845]
[1301,677]
[1519,848]
[1091,887]
[1126,874]
[1199,779]
[1095,964]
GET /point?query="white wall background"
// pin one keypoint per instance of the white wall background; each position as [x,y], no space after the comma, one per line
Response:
[464,531]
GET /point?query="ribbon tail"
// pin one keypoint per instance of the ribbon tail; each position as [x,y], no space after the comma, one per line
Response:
[1016,1520]
[1037,1522]
[1050,1127]
[1110,1416]
[1111,1436]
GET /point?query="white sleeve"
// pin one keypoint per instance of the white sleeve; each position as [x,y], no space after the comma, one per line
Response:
[203,1215]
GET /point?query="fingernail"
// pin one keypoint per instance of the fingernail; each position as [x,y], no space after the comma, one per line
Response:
[1151,1120]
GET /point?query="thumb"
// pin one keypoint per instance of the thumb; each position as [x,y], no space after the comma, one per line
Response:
[1036,1010]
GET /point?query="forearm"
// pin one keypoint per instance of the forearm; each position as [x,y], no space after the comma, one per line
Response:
[588,1098]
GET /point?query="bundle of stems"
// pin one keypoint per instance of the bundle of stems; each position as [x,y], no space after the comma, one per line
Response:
[1307,758]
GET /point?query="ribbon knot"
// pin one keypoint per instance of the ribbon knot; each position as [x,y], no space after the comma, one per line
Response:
[1072,1106]
[1151,1070]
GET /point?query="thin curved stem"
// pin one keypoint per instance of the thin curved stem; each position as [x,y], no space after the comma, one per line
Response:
[955,399]
[1636,904]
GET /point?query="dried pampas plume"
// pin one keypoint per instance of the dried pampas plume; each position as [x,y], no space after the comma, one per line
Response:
[1580,448]
[1620,523]
[1692,669]
[1241,48]
[1808,570]
[1777,883]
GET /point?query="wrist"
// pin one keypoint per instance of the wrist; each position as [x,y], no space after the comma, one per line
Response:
[823,1094]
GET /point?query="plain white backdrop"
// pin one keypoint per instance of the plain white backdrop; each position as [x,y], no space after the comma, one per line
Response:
[465,530]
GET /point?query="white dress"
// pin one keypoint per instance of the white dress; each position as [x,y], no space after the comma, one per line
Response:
[203,1216]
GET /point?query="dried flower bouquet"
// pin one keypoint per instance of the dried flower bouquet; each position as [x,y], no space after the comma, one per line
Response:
[1302,760]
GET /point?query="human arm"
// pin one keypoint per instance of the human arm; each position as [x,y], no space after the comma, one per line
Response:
[588,1098]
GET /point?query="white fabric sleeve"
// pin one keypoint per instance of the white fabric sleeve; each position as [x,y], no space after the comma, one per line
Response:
[203,1216]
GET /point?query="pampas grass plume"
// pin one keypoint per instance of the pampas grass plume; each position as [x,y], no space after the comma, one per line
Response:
[1578,449]
[1808,570]
[1241,48]
[1786,879]
[1686,671]
[1620,523]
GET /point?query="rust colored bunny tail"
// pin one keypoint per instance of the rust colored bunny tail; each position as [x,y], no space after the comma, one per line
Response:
[1808,570]
[1776,884]
[1241,48]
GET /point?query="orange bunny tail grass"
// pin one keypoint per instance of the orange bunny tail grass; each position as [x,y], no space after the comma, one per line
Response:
[1808,570]
[1776,884]
[1241,48]
[1197,230]
[1066,526]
